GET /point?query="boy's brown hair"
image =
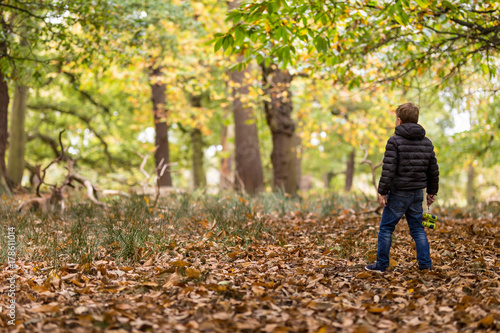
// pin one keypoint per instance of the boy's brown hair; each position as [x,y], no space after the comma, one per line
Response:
[408,113]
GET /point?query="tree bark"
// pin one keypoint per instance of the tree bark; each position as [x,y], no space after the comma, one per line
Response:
[248,172]
[470,185]
[278,110]
[296,141]
[4,109]
[162,154]
[17,140]
[248,169]
[327,178]
[199,178]
[226,165]
[349,172]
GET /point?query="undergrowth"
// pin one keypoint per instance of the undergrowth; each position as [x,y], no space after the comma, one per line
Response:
[132,229]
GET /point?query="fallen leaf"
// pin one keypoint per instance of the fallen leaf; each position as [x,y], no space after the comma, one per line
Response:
[45,308]
[363,275]
[486,321]
[192,273]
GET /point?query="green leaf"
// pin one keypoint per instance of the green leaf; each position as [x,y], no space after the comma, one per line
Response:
[260,58]
[422,3]
[401,16]
[218,44]
[239,35]
[267,62]
[284,35]
[270,8]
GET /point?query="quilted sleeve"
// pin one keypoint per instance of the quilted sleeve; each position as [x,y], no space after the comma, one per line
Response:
[389,167]
[433,175]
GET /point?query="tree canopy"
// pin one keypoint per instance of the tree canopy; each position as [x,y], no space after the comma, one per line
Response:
[370,41]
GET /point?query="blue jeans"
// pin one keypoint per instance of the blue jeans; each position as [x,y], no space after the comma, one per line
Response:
[410,204]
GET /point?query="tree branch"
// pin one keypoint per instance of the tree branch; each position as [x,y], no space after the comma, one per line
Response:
[23,10]
[86,120]
[47,139]
[85,94]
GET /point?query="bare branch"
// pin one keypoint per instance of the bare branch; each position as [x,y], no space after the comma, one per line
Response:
[85,119]
[372,167]
[91,189]
[57,160]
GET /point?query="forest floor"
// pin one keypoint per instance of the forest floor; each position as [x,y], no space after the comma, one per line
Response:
[235,264]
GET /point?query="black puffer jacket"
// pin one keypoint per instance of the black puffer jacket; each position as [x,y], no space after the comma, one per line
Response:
[409,162]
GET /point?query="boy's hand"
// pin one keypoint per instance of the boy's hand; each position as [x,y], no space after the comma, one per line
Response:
[430,199]
[382,200]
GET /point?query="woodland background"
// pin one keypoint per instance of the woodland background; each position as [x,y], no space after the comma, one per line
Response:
[262,124]
[123,79]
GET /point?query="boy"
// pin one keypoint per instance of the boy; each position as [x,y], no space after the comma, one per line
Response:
[409,166]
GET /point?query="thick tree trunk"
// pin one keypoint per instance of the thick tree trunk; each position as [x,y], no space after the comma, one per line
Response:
[226,166]
[279,118]
[248,174]
[162,154]
[470,185]
[349,172]
[15,166]
[4,109]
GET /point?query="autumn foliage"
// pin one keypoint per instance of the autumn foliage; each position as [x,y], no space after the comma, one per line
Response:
[266,264]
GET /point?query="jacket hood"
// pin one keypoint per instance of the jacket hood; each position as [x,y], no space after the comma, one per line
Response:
[410,131]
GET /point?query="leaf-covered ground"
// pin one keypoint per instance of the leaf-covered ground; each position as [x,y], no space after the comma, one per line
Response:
[303,272]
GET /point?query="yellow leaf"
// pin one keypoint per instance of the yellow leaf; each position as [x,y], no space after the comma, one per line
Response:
[363,275]
[486,321]
[376,309]
[79,284]
[126,269]
[321,330]
[180,263]
[193,273]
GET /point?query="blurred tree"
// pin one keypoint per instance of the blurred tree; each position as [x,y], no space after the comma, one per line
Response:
[248,169]
[278,108]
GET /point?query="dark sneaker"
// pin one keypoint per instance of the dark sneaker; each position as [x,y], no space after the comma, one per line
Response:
[374,268]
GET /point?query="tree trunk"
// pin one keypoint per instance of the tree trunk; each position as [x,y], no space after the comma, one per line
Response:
[199,178]
[248,171]
[349,172]
[17,140]
[327,178]
[296,141]
[4,109]
[278,110]
[470,185]
[226,167]
[160,118]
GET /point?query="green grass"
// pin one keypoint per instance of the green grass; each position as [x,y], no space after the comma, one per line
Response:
[131,230]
